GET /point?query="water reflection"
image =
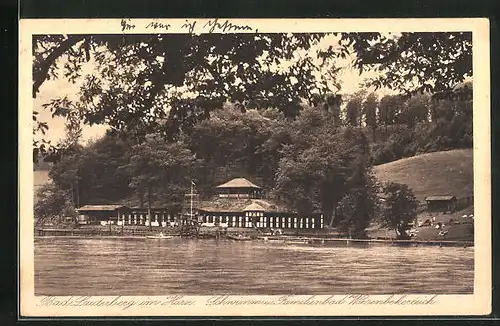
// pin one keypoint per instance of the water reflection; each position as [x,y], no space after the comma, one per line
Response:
[83,266]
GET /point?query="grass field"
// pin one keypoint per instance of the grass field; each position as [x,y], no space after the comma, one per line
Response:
[432,174]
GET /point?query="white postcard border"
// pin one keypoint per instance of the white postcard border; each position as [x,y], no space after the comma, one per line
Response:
[477,304]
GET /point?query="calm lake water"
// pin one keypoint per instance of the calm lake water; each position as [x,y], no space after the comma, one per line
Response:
[92,266]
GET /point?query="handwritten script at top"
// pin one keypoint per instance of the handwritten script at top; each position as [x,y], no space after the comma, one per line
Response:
[211,26]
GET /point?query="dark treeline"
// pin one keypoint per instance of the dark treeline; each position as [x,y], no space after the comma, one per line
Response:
[399,127]
[319,161]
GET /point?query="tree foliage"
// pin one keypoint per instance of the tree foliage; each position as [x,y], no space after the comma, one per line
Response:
[370,105]
[415,109]
[52,202]
[359,206]
[354,109]
[399,209]
[424,62]
[389,108]
[166,83]
[319,166]
[92,174]
[234,144]
[160,172]
[424,125]
[66,174]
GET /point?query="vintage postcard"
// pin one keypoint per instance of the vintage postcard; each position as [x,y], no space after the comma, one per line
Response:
[256,167]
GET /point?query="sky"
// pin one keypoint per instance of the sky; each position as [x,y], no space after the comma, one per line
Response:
[348,77]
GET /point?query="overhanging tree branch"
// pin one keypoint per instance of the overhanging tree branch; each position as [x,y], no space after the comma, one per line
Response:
[41,70]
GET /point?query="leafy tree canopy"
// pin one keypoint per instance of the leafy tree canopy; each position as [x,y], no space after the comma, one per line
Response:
[370,110]
[166,83]
[160,169]
[399,209]
[413,63]
[320,164]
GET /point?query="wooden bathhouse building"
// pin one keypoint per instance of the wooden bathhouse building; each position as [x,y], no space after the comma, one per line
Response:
[123,215]
[239,203]
[94,214]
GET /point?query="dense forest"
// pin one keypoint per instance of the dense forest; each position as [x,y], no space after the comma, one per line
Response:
[268,107]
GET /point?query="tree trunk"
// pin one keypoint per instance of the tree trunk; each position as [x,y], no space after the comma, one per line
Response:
[332,217]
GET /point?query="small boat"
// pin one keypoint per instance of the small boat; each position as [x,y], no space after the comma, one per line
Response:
[268,239]
[160,236]
[276,240]
[239,237]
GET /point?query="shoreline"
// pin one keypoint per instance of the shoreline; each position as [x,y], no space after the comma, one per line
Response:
[305,240]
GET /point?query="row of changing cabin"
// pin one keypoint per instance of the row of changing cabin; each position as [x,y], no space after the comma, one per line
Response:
[253,215]
[260,220]
[121,215]
[241,221]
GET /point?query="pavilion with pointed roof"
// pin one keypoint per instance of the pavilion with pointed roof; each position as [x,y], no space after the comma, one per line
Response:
[240,204]
[239,188]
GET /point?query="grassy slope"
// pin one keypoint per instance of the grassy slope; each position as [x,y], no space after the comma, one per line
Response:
[439,173]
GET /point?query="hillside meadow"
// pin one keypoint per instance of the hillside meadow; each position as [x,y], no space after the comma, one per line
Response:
[433,174]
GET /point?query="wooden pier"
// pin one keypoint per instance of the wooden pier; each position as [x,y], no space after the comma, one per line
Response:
[98,232]
[317,240]
[307,239]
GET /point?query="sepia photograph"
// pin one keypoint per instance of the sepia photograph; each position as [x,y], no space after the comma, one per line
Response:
[214,158]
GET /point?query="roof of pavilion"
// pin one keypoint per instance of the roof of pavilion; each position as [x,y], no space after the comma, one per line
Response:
[238,183]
